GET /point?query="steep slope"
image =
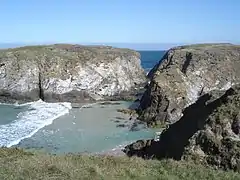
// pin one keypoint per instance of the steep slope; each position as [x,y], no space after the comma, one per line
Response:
[207,133]
[184,74]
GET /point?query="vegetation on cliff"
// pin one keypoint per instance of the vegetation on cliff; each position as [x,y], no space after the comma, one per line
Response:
[64,57]
[17,164]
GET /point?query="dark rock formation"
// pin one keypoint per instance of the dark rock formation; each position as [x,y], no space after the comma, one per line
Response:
[183,75]
[121,125]
[120,118]
[208,133]
[139,148]
[73,73]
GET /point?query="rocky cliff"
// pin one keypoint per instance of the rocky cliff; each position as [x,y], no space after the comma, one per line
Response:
[64,72]
[184,74]
[207,133]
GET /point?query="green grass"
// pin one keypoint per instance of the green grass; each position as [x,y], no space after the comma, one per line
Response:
[204,45]
[21,165]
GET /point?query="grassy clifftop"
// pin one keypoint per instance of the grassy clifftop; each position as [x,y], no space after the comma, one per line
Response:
[17,164]
[64,57]
[79,51]
[206,46]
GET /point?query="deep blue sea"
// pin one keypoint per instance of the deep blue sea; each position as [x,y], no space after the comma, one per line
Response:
[150,58]
[57,128]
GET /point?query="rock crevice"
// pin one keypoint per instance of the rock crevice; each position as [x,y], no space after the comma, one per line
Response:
[41,91]
[187,62]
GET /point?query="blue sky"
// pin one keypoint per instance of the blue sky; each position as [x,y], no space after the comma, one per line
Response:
[120,21]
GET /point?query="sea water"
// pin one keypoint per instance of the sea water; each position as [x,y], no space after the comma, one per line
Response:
[22,121]
[92,128]
[150,58]
[59,128]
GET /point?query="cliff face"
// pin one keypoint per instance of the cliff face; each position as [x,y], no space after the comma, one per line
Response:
[64,72]
[207,133]
[184,74]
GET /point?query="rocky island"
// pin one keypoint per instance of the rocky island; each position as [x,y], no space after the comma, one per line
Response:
[195,90]
[65,72]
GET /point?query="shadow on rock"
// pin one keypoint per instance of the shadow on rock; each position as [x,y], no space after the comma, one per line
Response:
[176,137]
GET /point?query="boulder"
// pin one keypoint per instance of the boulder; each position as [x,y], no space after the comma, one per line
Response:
[207,133]
[65,72]
[183,75]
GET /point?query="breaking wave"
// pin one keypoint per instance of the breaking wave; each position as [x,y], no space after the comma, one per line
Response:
[35,116]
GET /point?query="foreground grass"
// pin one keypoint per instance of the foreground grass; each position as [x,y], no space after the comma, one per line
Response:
[20,165]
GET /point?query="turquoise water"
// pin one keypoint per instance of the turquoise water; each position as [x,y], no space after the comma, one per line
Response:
[89,130]
[19,122]
[9,113]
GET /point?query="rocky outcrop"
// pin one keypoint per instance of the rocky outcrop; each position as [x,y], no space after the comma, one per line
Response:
[208,133]
[183,75]
[64,72]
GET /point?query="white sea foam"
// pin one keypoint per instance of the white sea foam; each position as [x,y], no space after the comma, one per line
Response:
[38,115]
[121,146]
[147,70]
[89,105]
[116,151]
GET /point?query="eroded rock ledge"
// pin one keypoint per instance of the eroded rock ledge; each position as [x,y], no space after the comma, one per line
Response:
[183,75]
[64,72]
